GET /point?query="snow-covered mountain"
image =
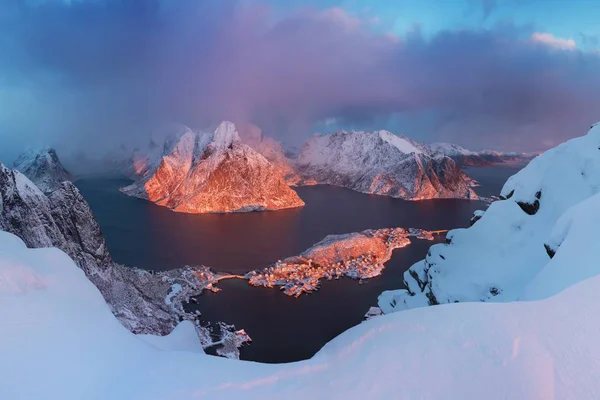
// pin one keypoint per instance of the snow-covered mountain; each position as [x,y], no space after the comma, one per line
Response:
[382,163]
[468,158]
[43,168]
[509,246]
[213,172]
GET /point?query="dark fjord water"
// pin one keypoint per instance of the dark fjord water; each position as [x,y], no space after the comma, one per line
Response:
[283,329]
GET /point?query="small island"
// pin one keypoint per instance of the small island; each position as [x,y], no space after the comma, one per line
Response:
[359,255]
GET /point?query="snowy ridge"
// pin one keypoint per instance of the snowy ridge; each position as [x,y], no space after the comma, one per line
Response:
[43,168]
[500,255]
[402,143]
[55,321]
[213,172]
[382,163]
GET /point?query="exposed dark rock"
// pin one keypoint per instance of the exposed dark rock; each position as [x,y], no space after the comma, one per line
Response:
[531,208]
[508,196]
[551,252]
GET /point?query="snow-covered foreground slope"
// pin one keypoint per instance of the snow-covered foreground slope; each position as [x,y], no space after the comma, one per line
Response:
[43,168]
[59,340]
[382,163]
[213,172]
[501,254]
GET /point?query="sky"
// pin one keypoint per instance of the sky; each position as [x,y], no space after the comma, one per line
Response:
[93,75]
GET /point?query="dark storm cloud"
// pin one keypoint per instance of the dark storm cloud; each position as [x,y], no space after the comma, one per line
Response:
[100,72]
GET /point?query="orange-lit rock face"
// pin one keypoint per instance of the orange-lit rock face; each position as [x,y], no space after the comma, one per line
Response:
[204,173]
[347,248]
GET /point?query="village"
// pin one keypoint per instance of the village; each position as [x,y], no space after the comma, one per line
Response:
[358,256]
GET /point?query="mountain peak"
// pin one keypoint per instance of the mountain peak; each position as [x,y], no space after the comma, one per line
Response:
[43,167]
[226,134]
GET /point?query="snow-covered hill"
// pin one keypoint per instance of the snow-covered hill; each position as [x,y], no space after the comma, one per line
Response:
[43,168]
[499,257]
[60,340]
[213,172]
[382,163]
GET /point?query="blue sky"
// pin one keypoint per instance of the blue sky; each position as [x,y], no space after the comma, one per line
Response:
[562,18]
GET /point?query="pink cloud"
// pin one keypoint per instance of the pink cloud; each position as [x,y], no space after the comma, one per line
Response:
[550,40]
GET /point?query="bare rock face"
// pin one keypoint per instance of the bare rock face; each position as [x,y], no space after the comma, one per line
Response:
[214,173]
[43,168]
[383,163]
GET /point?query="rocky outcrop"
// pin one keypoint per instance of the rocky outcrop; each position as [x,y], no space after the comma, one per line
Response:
[214,173]
[43,168]
[382,163]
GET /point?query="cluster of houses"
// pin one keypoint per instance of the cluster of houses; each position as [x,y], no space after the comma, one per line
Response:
[297,278]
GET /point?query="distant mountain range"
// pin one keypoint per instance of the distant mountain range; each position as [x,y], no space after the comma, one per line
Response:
[468,158]
[231,170]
